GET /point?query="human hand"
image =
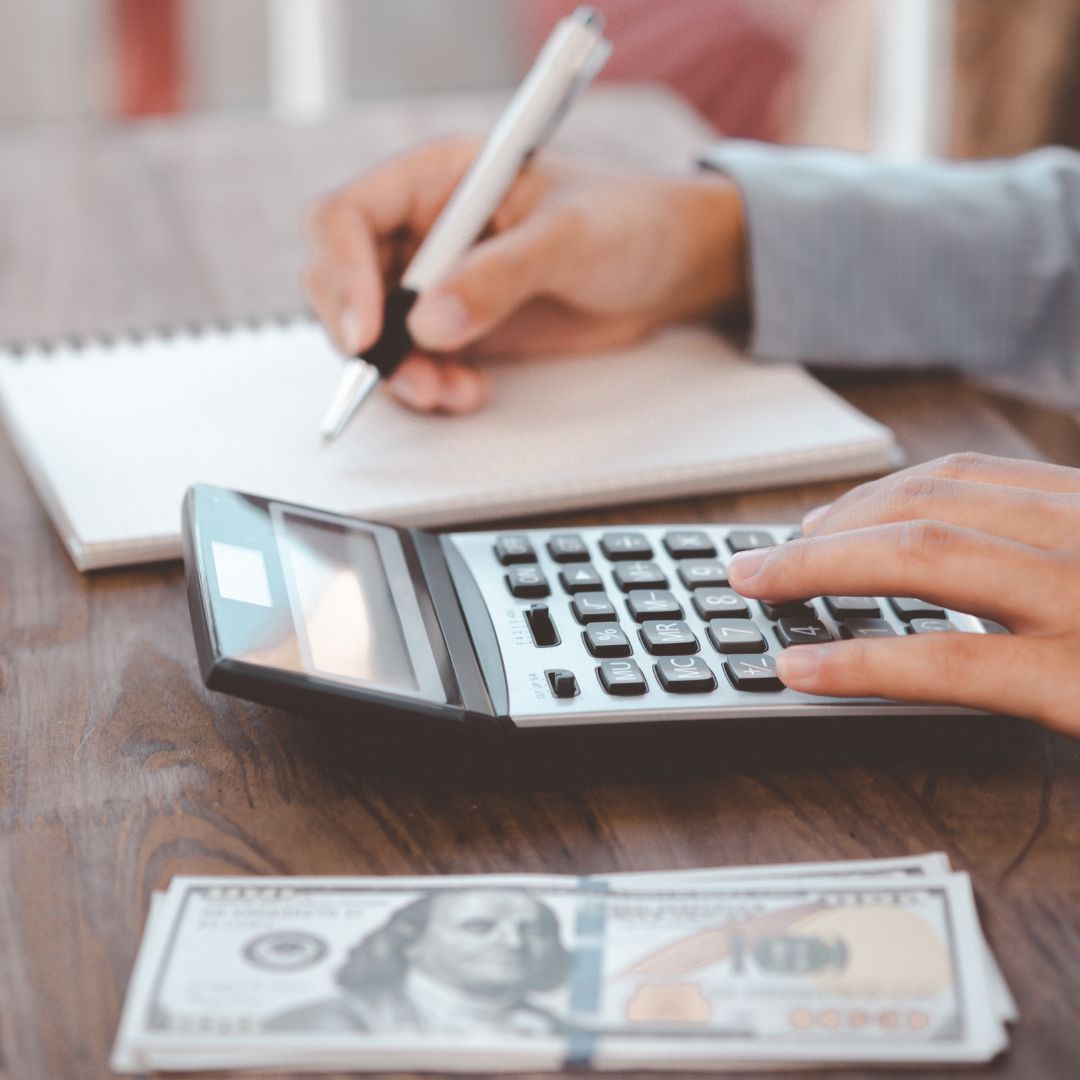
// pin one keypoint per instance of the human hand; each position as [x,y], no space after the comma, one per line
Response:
[983,535]
[575,257]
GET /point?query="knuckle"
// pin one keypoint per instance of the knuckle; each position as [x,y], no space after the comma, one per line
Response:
[960,465]
[908,496]
[923,540]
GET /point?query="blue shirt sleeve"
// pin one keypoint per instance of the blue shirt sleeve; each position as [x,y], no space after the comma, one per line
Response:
[971,264]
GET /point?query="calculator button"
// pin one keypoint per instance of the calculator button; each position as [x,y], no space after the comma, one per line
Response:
[753,673]
[859,607]
[566,547]
[860,628]
[908,609]
[992,627]
[689,545]
[802,632]
[606,639]
[668,638]
[625,545]
[653,604]
[621,677]
[794,609]
[720,604]
[578,579]
[514,549]
[527,581]
[747,541]
[685,675]
[639,575]
[929,626]
[541,627]
[696,573]
[588,608]
[563,683]
[736,636]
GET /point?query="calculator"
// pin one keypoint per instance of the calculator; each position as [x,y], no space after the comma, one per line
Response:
[401,630]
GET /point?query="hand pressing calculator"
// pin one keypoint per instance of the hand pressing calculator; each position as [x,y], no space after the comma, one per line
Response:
[478,632]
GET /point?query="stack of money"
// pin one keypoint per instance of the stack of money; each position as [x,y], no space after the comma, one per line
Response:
[825,963]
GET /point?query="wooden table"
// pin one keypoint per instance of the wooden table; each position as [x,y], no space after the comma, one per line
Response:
[118,770]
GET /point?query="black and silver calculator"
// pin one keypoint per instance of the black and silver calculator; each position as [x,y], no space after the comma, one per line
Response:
[499,633]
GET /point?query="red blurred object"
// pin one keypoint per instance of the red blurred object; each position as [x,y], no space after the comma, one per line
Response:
[736,60]
[149,51]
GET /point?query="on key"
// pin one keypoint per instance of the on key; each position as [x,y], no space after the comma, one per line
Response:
[527,581]
[685,675]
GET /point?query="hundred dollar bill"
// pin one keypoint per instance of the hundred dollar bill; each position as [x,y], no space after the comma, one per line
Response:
[509,973]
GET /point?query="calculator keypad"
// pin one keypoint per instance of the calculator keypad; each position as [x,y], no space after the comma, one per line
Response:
[649,627]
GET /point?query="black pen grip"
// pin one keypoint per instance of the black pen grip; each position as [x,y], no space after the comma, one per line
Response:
[395,342]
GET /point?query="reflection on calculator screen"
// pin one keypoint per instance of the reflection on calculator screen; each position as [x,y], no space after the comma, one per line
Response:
[344,612]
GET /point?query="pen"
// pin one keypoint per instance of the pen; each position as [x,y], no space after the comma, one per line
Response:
[565,65]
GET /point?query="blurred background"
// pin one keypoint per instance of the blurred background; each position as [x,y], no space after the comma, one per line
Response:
[903,77]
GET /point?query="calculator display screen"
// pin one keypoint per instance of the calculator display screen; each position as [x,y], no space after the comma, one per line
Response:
[346,618]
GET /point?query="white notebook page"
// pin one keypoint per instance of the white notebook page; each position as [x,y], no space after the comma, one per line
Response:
[113,434]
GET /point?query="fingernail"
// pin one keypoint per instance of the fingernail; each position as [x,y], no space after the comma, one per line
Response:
[405,390]
[799,664]
[815,515]
[439,319]
[349,329]
[746,564]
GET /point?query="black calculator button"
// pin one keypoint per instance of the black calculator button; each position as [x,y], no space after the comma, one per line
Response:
[541,627]
[621,677]
[929,626]
[858,607]
[697,573]
[606,639]
[685,675]
[514,549]
[736,636]
[639,575]
[720,604]
[563,683]
[566,547]
[527,581]
[865,628]
[689,545]
[588,608]
[625,545]
[908,609]
[753,673]
[747,541]
[794,609]
[644,604]
[802,632]
[577,579]
[668,638]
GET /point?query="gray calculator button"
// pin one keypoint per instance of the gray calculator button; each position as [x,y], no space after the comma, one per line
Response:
[566,547]
[860,628]
[859,607]
[908,608]
[625,545]
[689,545]
[929,626]
[527,581]
[802,632]
[672,638]
[639,575]
[606,639]
[514,549]
[748,540]
[590,608]
[685,675]
[720,604]
[697,573]
[577,579]
[792,609]
[646,604]
[621,677]
[736,636]
[753,673]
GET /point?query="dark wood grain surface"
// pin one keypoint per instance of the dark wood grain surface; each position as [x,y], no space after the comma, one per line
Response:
[118,770]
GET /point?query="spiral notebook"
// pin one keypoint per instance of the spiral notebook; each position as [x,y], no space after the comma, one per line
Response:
[112,433]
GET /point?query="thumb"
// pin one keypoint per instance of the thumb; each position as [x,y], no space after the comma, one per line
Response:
[492,280]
